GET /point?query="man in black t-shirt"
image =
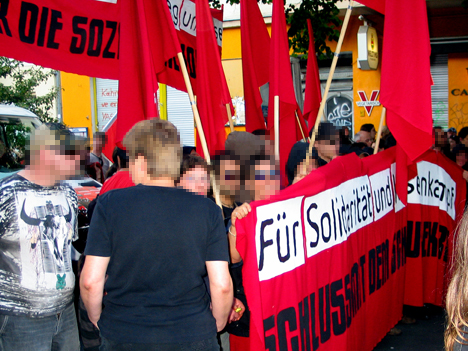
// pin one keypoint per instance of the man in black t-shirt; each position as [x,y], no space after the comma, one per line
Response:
[149,247]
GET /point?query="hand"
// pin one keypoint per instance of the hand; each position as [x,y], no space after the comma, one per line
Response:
[240,212]
[235,316]
[465,175]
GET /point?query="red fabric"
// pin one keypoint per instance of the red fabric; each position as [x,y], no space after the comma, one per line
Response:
[409,119]
[377,5]
[324,260]
[239,343]
[65,47]
[255,42]
[183,14]
[121,179]
[281,84]
[431,227]
[213,93]
[313,92]
[144,56]
[108,149]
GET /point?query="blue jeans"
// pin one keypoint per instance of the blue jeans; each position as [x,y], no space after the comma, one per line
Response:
[53,333]
[204,345]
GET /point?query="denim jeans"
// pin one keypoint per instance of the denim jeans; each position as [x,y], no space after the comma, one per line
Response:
[204,345]
[53,333]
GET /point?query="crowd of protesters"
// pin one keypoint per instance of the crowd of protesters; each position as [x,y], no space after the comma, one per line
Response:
[160,270]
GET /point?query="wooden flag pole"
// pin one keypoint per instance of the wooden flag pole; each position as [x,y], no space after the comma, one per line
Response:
[379,133]
[300,127]
[231,123]
[276,116]
[200,131]
[329,80]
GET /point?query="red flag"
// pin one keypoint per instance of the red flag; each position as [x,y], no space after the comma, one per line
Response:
[212,92]
[406,80]
[110,129]
[313,93]
[281,84]
[149,39]
[377,5]
[255,42]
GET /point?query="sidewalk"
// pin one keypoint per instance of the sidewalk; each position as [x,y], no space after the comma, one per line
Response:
[425,334]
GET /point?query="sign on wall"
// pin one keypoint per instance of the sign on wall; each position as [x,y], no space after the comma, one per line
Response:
[368,102]
[106,96]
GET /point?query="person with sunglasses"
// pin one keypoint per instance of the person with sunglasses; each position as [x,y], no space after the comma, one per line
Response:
[262,181]
[39,222]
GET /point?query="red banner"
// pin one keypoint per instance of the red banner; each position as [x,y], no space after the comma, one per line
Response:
[325,259]
[82,37]
[436,201]
[73,36]
[337,253]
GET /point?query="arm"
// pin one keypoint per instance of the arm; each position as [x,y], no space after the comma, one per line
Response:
[221,291]
[239,213]
[92,282]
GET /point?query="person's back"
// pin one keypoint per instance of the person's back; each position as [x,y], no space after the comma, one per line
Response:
[158,253]
[149,247]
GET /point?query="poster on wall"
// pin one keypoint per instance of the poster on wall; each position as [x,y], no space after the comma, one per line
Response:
[106,95]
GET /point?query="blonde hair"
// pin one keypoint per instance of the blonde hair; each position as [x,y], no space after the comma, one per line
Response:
[457,293]
[159,143]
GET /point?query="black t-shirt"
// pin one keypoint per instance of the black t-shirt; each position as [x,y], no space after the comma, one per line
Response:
[158,240]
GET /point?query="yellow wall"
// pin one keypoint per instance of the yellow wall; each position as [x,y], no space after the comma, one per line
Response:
[458,90]
[76,101]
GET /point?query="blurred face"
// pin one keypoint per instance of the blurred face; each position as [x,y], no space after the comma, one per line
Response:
[366,138]
[440,137]
[97,144]
[346,131]
[266,180]
[60,162]
[229,178]
[452,144]
[373,133]
[328,149]
[196,180]
[461,159]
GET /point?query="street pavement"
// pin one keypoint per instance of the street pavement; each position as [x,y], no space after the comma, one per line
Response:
[427,334]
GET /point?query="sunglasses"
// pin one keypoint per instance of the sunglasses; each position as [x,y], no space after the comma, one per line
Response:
[230,175]
[264,175]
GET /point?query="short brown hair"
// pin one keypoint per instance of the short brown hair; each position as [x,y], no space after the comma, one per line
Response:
[159,143]
[191,161]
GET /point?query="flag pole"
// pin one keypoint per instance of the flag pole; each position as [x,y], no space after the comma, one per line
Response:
[200,131]
[300,127]
[231,123]
[379,133]
[276,116]
[329,80]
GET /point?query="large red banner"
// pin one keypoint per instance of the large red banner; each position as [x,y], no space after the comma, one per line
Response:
[436,201]
[83,36]
[326,259]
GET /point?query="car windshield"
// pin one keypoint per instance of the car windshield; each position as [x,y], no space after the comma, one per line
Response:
[14,132]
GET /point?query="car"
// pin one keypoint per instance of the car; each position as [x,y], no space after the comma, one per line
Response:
[17,121]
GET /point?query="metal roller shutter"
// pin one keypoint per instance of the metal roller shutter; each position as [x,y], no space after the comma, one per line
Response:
[439,91]
[179,113]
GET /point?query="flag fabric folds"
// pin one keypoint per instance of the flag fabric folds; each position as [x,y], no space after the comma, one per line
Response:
[255,43]
[406,83]
[281,84]
[142,57]
[406,80]
[212,91]
[313,93]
